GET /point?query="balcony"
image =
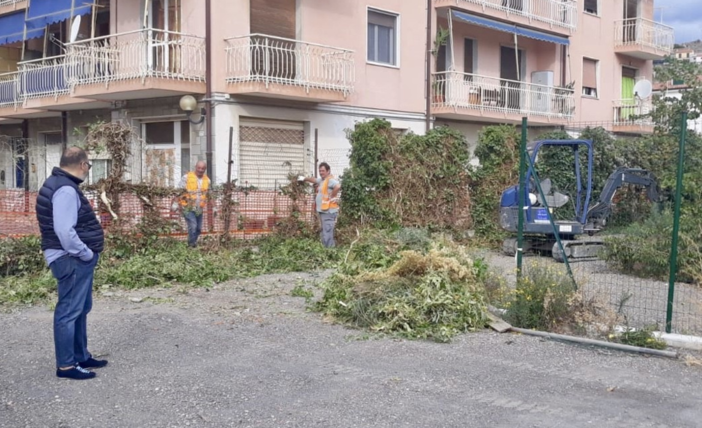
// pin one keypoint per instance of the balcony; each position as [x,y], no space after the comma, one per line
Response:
[9,83]
[559,16]
[630,116]
[8,6]
[267,66]
[139,64]
[39,85]
[643,38]
[460,95]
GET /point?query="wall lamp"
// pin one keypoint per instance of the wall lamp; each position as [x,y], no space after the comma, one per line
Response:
[188,103]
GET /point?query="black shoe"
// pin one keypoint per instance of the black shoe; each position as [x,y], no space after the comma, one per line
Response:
[77,373]
[92,363]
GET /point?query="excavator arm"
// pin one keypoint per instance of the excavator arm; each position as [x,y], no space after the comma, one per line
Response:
[598,214]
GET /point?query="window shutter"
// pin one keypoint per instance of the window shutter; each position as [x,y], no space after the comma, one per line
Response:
[589,73]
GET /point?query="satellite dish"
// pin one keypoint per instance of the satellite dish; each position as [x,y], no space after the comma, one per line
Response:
[643,89]
[75,26]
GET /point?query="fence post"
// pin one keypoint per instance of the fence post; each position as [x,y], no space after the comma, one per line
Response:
[522,189]
[676,225]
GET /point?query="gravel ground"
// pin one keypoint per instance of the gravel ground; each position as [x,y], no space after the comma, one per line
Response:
[248,354]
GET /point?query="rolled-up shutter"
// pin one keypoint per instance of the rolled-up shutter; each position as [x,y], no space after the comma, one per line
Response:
[269,151]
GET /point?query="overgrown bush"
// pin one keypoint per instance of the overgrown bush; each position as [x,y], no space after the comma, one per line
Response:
[542,299]
[20,255]
[433,294]
[644,249]
[498,152]
[408,180]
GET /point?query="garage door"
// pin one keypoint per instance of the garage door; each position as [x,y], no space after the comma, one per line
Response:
[269,151]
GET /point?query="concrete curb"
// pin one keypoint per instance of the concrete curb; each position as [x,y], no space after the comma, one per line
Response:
[693,343]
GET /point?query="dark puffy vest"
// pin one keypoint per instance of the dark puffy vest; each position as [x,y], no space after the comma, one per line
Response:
[87,227]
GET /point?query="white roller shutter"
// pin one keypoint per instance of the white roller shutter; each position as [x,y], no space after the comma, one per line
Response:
[269,151]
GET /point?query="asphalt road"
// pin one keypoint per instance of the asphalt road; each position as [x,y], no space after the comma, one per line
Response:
[247,354]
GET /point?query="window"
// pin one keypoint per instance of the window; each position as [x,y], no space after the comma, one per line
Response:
[678,82]
[100,170]
[590,77]
[160,133]
[382,37]
[591,6]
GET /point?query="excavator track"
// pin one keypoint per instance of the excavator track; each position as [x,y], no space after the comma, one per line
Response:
[580,250]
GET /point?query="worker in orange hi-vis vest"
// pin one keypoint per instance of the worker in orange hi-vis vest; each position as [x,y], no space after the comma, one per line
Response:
[193,200]
[327,201]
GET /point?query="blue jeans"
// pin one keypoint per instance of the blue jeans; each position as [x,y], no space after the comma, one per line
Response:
[194,222]
[75,299]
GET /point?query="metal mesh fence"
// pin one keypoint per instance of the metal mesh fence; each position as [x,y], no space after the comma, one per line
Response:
[639,302]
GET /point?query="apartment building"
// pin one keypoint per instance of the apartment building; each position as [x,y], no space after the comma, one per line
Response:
[288,77]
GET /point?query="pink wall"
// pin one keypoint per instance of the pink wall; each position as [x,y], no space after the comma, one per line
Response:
[229,19]
[594,39]
[343,24]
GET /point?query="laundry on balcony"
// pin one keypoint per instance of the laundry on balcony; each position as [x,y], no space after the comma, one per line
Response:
[12,29]
[509,28]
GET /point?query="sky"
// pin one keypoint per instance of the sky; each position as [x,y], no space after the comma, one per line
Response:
[685,18]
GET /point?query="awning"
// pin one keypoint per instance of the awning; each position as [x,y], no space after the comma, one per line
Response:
[44,12]
[508,28]
[11,28]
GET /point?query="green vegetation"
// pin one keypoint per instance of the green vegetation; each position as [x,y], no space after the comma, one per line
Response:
[433,292]
[127,264]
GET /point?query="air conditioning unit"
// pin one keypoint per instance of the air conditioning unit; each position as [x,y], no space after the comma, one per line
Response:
[542,94]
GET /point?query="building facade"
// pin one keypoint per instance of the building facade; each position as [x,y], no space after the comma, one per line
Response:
[287,78]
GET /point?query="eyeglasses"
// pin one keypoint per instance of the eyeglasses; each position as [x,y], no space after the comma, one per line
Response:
[89,165]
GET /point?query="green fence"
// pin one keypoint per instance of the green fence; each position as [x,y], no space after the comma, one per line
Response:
[670,306]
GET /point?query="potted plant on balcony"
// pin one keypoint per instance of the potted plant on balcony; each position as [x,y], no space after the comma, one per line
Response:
[439,86]
[563,107]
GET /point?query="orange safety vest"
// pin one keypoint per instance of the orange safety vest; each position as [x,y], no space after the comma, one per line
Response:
[326,203]
[190,197]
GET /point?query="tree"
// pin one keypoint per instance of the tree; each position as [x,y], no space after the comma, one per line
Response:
[667,109]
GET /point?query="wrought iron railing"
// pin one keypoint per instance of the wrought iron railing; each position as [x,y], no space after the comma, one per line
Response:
[276,60]
[10,2]
[137,55]
[45,77]
[644,33]
[9,89]
[558,13]
[633,112]
[471,91]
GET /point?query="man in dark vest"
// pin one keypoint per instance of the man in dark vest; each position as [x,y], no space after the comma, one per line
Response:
[72,239]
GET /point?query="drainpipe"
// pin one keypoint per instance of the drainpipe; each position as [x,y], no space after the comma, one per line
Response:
[427,89]
[64,129]
[208,86]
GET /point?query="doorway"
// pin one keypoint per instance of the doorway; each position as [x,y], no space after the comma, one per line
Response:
[512,68]
[165,26]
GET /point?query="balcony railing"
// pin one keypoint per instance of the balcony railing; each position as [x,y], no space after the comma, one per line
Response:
[489,94]
[644,33]
[134,55]
[45,77]
[275,60]
[9,89]
[633,112]
[558,13]
[10,2]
